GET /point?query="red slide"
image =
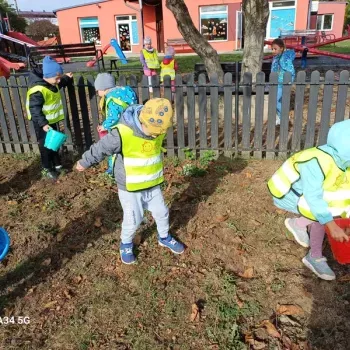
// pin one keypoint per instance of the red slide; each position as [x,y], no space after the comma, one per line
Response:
[22,37]
[6,66]
[94,61]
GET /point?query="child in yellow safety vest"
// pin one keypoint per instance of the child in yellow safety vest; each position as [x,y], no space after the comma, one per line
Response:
[138,170]
[169,66]
[44,107]
[316,184]
[149,60]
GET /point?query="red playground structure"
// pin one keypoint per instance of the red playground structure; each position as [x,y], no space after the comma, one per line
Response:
[307,41]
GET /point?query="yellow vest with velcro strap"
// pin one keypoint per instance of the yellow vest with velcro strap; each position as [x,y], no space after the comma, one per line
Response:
[168,69]
[151,59]
[104,105]
[336,184]
[52,108]
[143,160]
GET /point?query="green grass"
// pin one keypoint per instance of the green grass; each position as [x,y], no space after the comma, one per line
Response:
[340,47]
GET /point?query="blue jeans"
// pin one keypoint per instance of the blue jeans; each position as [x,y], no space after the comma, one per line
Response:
[279,100]
[134,204]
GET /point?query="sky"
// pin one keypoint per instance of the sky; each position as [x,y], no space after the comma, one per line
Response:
[47,5]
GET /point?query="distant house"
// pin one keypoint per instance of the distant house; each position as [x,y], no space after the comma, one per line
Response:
[31,16]
[220,21]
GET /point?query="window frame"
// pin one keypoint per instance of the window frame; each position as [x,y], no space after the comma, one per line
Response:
[81,29]
[227,19]
[322,22]
[129,21]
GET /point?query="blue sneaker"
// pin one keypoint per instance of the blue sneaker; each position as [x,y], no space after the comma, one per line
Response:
[126,254]
[171,243]
[319,266]
[300,233]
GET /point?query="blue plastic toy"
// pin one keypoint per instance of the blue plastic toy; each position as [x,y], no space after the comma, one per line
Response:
[118,51]
[54,139]
[4,243]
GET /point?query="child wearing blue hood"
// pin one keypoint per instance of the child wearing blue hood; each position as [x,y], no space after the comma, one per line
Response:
[114,101]
[44,107]
[316,184]
[282,62]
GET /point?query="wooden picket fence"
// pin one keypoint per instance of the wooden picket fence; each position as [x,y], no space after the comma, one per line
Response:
[231,117]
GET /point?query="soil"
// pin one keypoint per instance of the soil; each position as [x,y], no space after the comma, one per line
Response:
[239,285]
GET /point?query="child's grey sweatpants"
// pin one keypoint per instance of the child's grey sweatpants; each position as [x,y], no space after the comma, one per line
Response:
[134,204]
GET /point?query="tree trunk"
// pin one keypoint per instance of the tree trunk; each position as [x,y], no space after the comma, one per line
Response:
[256,14]
[194,38]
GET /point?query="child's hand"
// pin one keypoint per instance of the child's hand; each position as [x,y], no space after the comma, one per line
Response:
[100,128]
[79,167]
[70,75]
[46,127]
[336,232]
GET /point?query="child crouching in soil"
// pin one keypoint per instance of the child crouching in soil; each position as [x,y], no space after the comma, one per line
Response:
[138,170]
[315,183]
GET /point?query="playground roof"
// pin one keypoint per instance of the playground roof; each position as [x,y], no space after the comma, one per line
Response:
[86,4]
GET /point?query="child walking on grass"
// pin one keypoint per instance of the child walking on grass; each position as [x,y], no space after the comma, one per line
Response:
[316,184]
[138,170]
[282,62]
[114,101]
[44,107]
[149,60]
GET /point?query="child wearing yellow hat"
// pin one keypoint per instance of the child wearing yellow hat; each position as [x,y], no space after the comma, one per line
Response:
[138,171]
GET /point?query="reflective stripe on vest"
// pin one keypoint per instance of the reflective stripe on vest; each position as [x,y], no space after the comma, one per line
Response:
[151,59]
[168,69]
[143,161]
[336,184]
[52,108]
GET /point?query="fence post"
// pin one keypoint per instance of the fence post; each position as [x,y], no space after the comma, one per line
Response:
[236,108]
[84,112]
[170,132]
[4,129]
[144,89]
[179,108]
[191,112]
[134,85]
[312,109]
[326,107]
[247,109]
[66,122]
[271,119]
[93,106]
[298,111]
[19,112]
[155,85]
[259,114]
[228,115]
[202,106]
[287,88]
[10,114]
[214,112]
[342,95]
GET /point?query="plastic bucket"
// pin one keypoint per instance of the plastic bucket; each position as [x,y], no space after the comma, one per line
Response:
[4,243]
[340,250]
[54,139]
[102,133]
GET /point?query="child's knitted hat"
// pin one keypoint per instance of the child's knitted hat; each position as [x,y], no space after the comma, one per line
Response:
[157,116]
[51,68]
[170,51]
[147,40]
[104,81]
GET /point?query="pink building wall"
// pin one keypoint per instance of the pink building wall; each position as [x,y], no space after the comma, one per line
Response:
[170,25]
[338,9]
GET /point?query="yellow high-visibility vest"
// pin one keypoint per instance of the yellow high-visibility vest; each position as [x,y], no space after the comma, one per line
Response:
[167,69]
[151,59]
[143,160]
[336,184]
[53,107]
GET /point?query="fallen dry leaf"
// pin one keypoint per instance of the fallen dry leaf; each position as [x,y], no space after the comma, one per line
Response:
[98,222]
[289,310]
[345,278]
[46,262]
[239,302]
[248,273]
[12,202]
[194,313]
[67,294]
[221,218]
[50,304]
[271,329]
[258,345]
[248,175]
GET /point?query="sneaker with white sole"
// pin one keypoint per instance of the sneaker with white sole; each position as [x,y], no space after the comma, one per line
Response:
[126,253]
[319,267]
[172,244]
[300,233]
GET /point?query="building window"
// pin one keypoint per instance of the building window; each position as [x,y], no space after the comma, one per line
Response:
[127,31]
[324,22]
[90,31]
[213,22]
